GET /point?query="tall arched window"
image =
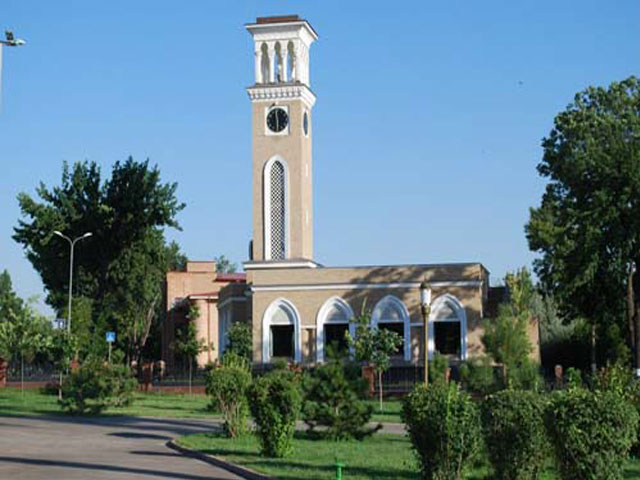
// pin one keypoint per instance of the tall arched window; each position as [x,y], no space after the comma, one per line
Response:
[281,332]
[276,210]
[391,313]
[332,324]
[448,328]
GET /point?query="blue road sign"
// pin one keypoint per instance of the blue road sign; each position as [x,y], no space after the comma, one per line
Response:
[111,337]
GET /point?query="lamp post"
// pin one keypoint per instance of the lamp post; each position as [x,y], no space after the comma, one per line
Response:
[72,243]
[10,41]
[425,308]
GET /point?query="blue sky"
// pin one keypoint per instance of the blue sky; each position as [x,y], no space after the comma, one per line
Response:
[427,127]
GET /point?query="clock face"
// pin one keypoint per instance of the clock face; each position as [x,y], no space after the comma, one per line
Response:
[277,120]
[305,123]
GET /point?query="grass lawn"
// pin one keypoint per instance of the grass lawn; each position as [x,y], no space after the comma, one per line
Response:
[390,411]
[152,404]
[385,457]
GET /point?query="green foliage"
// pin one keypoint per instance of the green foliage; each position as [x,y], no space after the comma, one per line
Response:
[122,266]
[514,432]
[444,427]
[275,401]
[438,369]
[240,340]
[478,375]
[591,432]
[188,343]
[24,334]
[619,379]
[373,345]
[333,399]
[224,265]
[227,385]
[587,227]
[10,303]
[97,385]
[506,337]
[573,379]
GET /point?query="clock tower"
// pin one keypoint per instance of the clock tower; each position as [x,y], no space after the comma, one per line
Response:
[281,101]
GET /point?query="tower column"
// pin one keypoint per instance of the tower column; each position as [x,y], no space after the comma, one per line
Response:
[284,57]
[271,49]
[258,60]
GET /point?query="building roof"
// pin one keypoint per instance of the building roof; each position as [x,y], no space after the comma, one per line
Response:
[231,277]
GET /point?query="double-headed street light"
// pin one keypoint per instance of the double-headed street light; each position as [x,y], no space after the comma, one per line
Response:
[72,244]
[425,309]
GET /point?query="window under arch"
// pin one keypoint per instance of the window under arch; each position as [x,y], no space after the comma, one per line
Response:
[391,314]
[448,328]
[281,332]
[332,324]
[276,210]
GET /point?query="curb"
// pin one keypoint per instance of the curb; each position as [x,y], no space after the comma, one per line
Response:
[244,472]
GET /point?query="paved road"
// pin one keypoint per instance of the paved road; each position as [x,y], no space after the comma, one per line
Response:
[114,448]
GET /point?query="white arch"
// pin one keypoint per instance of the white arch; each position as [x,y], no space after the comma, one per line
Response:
[266,200]
[294,317]
[391,301]
[322,318]
[437,308]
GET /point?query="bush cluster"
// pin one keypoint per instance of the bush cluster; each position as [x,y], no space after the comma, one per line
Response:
[444,427]
[96,386]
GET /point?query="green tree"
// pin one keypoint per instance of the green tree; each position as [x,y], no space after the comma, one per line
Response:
[188,343]
[10,303]
[224,265]
[333,399]
[240,342]
[587,228]
[23,336]
[506,337]
[120,268]
[373,345]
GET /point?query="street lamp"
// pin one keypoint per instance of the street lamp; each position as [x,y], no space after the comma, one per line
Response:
[72,244]
[425,308]
[10,41]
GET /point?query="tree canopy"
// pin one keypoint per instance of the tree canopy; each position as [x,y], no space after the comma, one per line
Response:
[119,270]
[587,227]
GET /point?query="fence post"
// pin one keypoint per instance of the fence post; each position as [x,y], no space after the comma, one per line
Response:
[559,377]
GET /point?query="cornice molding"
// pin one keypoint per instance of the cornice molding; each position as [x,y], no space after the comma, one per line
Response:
[270,93]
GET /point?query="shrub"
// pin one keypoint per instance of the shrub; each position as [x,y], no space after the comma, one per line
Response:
[240,342]
[513,423]
[275,401]
[227,386]
[97,385]
[438,369]
[592,433]
[526,376]
[478,376]
[619,379]
[573,378]
[444,427]
[333,395]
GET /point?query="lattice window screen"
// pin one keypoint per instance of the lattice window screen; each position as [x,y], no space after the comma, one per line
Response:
[278,221]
